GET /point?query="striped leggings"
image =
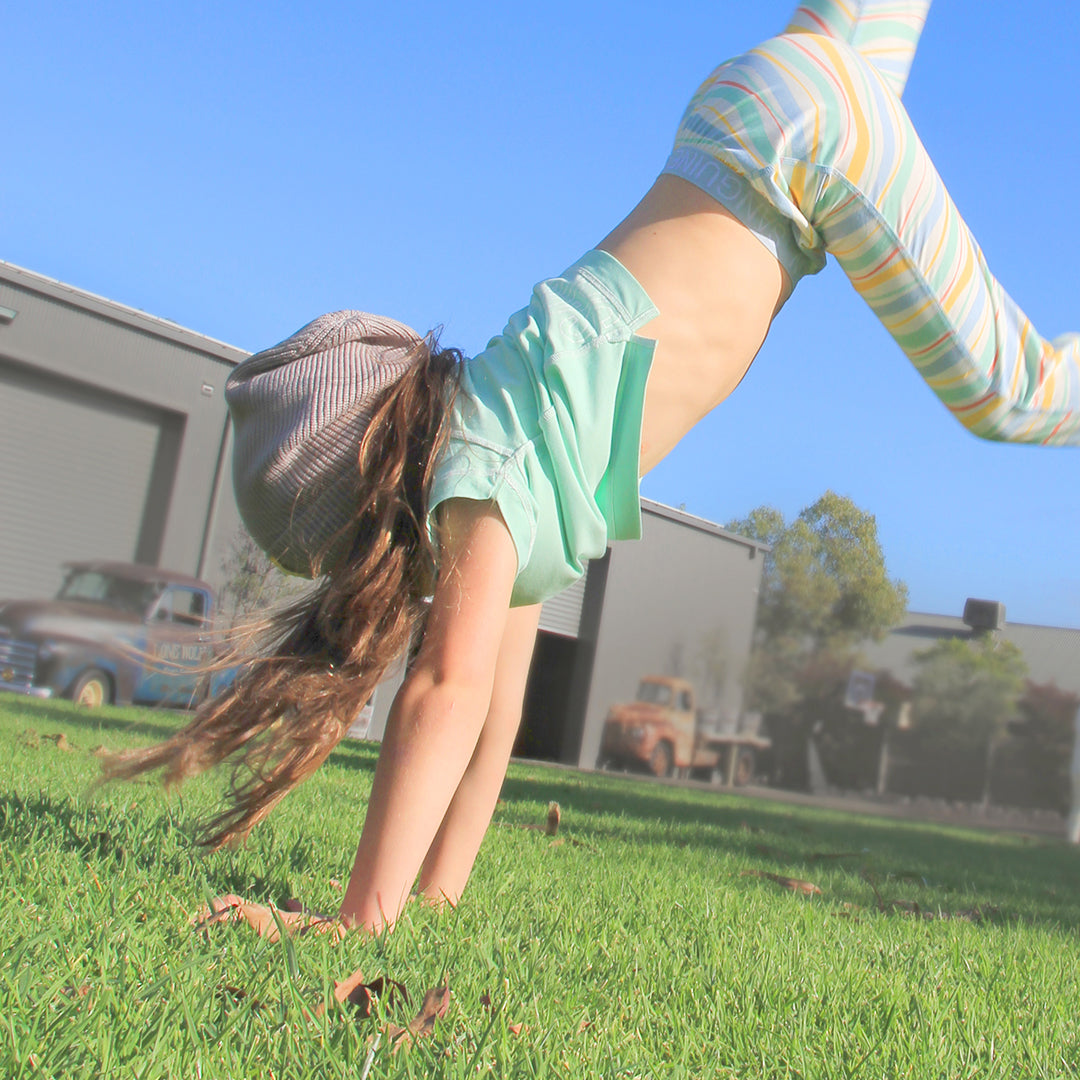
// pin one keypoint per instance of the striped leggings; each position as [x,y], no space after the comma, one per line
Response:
[804,139]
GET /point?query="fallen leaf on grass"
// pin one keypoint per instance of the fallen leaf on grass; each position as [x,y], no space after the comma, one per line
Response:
[435,1004]
[361,995]
[794,884]
[517,1029]
[977,914]
[234,994]
[61,741]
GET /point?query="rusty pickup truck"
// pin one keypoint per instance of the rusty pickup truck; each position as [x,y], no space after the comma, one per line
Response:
[116,633]
[665,732]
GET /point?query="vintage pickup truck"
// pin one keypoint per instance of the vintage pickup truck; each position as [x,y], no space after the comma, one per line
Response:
[666,733]
[117,633]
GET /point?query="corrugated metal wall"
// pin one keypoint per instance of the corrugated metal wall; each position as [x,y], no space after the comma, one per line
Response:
[111,429]
[79,470]
[562,614]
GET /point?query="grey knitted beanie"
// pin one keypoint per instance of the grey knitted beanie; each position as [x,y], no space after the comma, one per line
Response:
[299,411]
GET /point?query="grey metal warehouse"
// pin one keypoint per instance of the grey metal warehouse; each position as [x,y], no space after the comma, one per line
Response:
[116,437]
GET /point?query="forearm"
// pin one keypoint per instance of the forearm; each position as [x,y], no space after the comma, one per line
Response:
[450,859]
[429,741]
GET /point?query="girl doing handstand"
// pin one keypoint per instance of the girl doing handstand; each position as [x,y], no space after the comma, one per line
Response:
[394,470]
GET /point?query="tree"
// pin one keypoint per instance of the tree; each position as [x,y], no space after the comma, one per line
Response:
[964,693]
[252,582]
[824,588]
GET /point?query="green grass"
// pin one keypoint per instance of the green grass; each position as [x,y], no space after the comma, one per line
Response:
[644,945]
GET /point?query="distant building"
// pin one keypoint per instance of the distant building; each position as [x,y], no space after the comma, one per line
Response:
[113,433]
[1029,761]
[1052,653]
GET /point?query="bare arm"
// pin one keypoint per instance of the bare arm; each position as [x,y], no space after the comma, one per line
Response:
[438,714]
[449,861]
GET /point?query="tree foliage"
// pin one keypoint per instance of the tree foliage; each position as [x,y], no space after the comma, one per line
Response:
[966,690]
[251,583]
[824,588]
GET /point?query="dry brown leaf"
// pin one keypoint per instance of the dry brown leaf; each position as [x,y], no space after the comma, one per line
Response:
[61,741]
[435,1004]
[794,884]
[342,990]
[234,994]
[362,995]
[517,1029]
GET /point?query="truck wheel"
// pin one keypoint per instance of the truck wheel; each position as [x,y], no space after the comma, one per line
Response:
[91,689]
[662,760]
[744,767]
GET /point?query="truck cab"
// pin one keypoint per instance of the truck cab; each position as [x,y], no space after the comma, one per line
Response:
[657,729]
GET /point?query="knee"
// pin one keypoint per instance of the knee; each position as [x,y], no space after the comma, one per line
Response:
[827,82]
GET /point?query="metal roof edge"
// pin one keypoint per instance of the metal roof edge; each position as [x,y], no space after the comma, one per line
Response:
[959,620]
[703,524]
[49,287]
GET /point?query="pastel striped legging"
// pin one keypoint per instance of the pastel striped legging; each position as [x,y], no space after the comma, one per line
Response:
[805,140]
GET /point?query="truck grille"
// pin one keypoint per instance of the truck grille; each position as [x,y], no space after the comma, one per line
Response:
[17,660]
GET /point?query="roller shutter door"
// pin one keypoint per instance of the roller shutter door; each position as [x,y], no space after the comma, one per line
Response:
[78,464]
[562,614]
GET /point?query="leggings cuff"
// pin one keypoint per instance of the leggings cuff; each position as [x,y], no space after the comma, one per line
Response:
[737,195]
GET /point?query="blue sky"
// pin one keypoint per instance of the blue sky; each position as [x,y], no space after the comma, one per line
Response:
[240,168]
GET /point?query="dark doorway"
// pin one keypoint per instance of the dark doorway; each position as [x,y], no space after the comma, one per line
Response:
[545,717]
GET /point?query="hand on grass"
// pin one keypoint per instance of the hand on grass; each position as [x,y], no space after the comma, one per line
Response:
[267,920]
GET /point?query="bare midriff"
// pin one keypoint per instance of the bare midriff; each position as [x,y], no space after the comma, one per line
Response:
[717,289]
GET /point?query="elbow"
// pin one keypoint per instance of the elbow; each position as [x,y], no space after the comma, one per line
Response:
[430,698]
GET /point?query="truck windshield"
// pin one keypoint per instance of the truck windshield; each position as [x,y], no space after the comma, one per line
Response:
[654,693]
[123,594]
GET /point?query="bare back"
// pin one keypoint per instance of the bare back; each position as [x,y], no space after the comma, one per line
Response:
[716,288]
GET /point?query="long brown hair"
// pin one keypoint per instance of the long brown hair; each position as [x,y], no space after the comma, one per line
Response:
[320,660]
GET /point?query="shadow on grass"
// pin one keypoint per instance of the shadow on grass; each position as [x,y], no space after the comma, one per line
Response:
[159,845]
[1008,876]
[940,867]
[937,865]
[95,720]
